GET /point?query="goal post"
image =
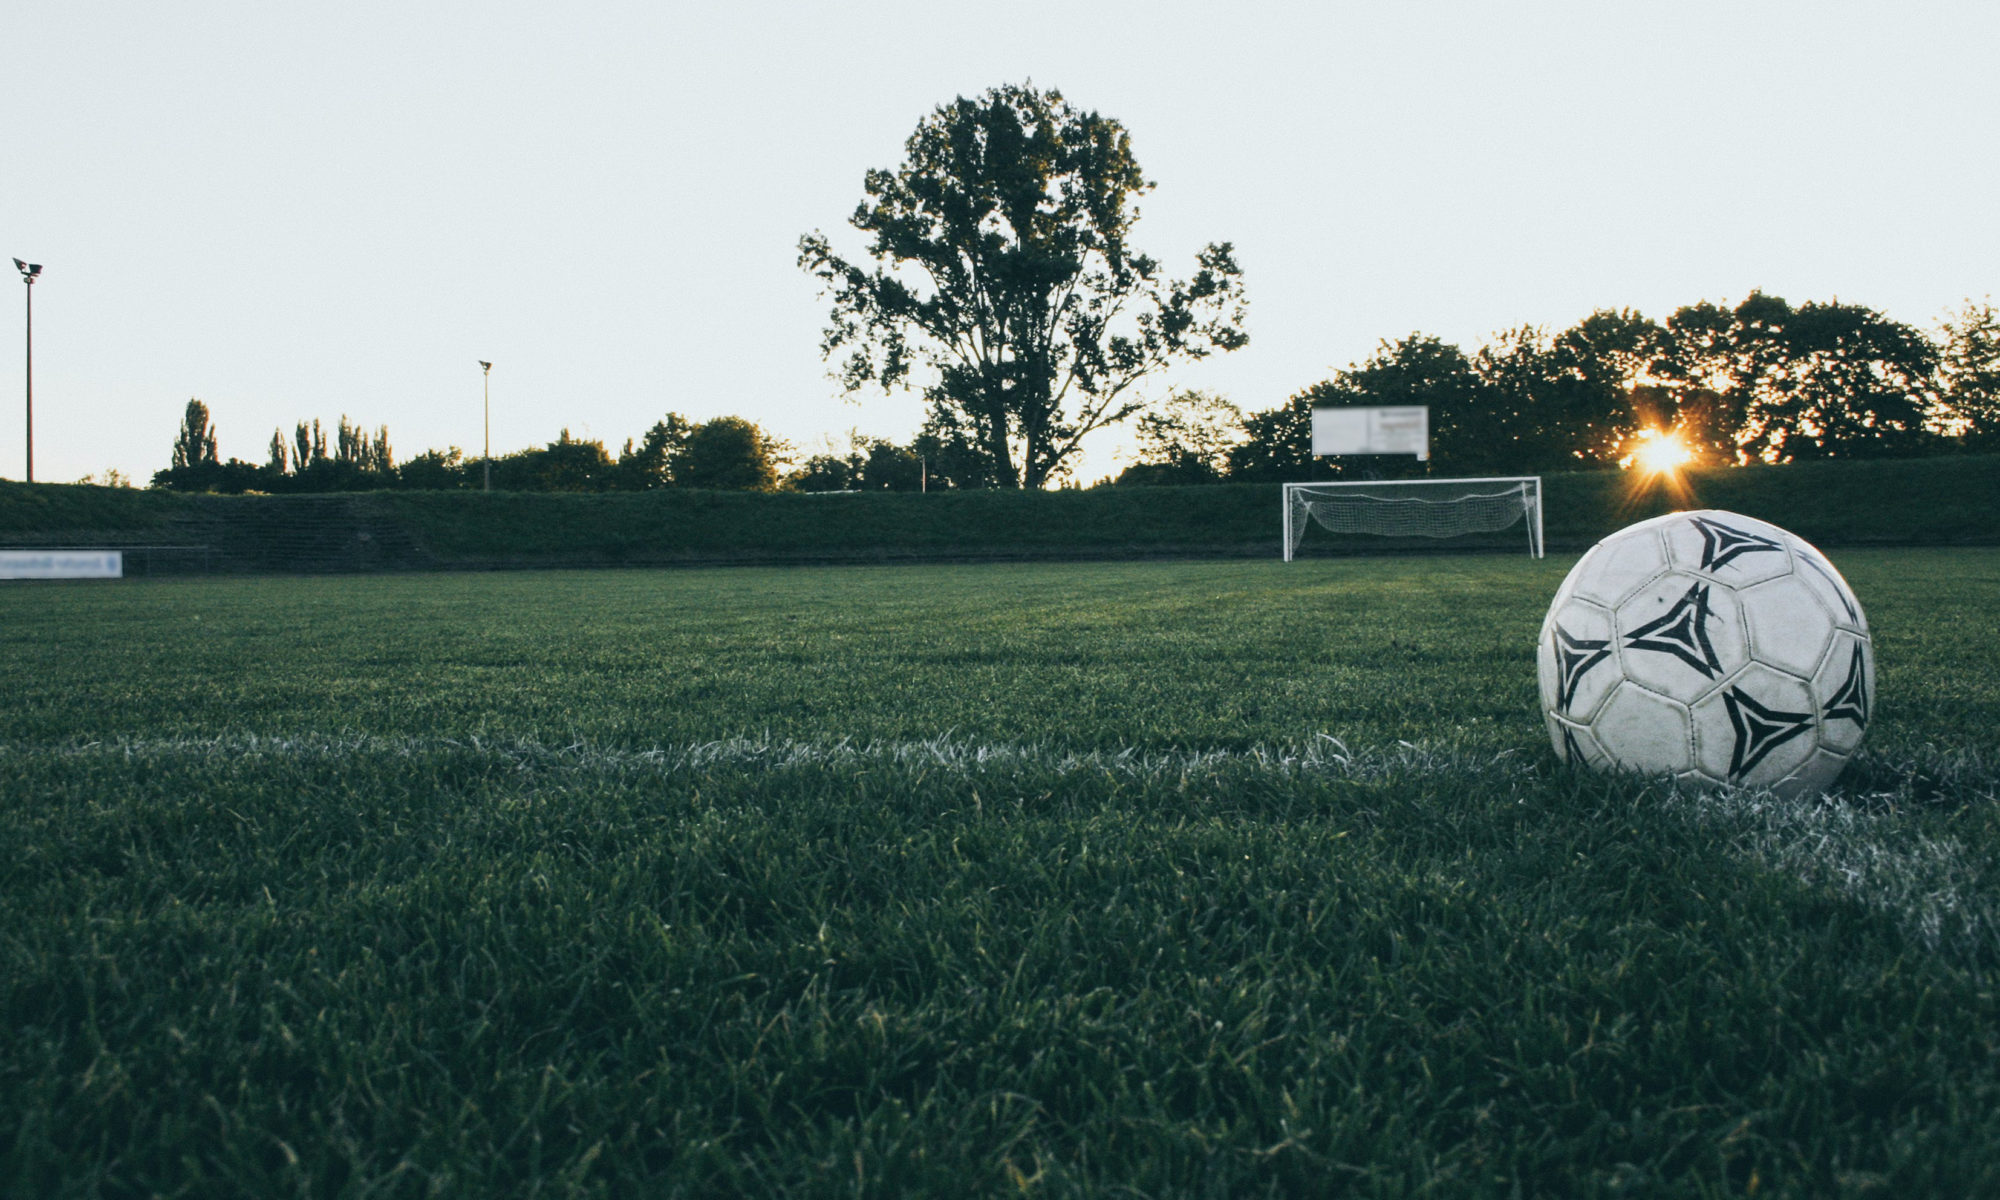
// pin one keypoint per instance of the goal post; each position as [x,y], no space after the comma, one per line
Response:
[1433,508]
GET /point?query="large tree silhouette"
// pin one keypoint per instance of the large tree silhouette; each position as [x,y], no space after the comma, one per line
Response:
[1003,272]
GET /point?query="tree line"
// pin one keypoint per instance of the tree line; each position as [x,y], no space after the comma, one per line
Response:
[725,453]
[1762,381]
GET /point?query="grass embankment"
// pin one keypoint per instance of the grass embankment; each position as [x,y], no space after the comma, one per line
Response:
[1932,501]
[1927,502]
[1940,501]
[976,880]
[52,510]
[674,525]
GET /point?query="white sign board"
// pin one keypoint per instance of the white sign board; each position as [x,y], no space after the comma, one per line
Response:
[62,564]
[1404,430]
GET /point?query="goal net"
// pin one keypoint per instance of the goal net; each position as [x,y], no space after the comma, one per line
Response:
[1430,508]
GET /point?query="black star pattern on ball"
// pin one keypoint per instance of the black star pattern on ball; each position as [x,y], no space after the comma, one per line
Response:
[1574,656]
[1759,730]
[1722,545]
[1682,632]
[1850,701]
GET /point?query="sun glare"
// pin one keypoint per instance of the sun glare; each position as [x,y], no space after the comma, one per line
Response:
[1658,452]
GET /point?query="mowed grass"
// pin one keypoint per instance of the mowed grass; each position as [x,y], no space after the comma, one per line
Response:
[1164,879]
[1206,655]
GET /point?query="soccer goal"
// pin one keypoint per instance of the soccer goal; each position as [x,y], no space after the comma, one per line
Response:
[1432,508]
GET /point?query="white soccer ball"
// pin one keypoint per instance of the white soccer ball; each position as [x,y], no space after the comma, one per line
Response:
[1711,647]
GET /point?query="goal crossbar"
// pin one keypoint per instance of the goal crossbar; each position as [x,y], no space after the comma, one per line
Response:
[1435,508]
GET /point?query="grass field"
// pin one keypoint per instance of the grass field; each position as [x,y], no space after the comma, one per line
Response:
[1189,879]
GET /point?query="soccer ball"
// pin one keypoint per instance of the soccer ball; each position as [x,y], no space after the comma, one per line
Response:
[1711,647]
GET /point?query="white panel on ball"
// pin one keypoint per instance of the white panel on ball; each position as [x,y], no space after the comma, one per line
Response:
[1789,626]
[1619,566]
[1711,647]
[1643,731]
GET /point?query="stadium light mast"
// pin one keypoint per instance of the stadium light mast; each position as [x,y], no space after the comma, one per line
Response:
[28,273]
[486,455]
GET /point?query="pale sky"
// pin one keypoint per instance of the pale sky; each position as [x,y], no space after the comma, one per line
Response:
[306,209]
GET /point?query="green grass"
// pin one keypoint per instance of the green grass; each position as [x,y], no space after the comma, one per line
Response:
[1156,879]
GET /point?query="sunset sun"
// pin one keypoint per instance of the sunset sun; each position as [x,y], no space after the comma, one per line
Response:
[1658,452]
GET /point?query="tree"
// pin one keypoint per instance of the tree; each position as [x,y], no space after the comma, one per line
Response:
[1853,384]
[887,467]
[1816,381]
[194,445]
[1003,269]
[1561,402]
[953,462]
[1466,429]
[651,463]
[571,464]
[729,453]
[1697,379]
[1277,443]
[362,451]
[1421,369]
[309,446]
[435,470]
[1969,369]
[832,470]
[826,473]
[1186,440]
[195,465]
[1605,389]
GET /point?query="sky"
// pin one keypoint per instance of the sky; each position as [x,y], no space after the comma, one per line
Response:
[310,210]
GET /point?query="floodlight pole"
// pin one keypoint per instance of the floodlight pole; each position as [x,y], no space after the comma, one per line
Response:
[486,455]
[28,273]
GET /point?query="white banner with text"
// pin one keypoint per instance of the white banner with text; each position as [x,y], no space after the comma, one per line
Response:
[62,564]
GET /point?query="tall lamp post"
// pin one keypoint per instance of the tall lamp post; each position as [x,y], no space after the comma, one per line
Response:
[28,273]
[486,456]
